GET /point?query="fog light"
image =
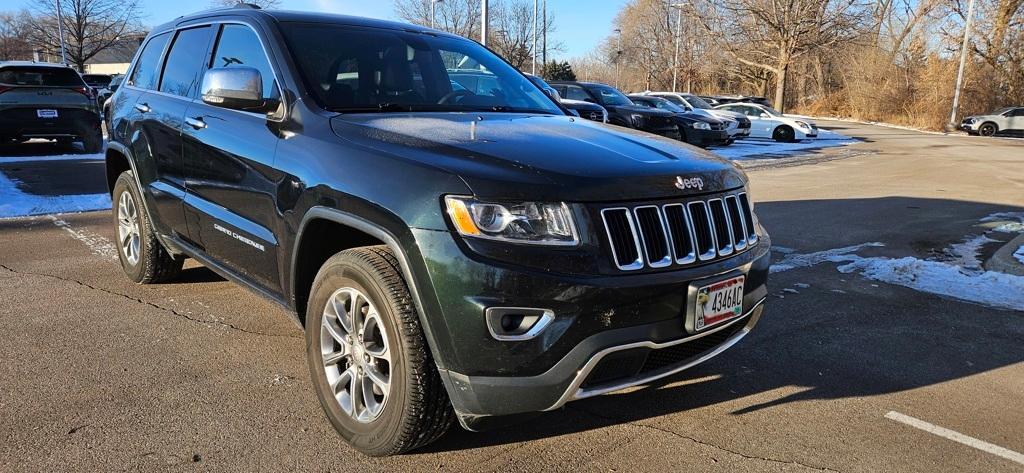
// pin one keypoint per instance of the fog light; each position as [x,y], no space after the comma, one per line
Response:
[517,323]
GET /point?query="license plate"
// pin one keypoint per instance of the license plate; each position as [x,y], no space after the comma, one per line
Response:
[718,303]
[46,113]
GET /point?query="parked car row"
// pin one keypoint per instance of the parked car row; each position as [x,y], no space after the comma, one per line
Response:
[52,101]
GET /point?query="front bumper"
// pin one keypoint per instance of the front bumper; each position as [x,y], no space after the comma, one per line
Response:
[622,318]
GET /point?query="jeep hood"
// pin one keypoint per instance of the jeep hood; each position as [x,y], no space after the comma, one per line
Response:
[542,157]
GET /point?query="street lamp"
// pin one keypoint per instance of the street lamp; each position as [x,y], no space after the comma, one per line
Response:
[675,58]
[433,3]
[963,62]
[60,29]
[534,50]
[483,22]
[618,57]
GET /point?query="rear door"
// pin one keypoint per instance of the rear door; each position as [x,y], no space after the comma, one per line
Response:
[1017,119]
[232,184]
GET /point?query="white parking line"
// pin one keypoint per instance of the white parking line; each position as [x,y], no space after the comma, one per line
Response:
[956,437]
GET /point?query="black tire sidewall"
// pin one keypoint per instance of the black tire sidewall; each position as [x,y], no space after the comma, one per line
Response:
[784,134]
[125,183]
[987,129]
[377,436]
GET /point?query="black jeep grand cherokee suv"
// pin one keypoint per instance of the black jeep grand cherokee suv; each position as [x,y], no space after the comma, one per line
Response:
[452,255]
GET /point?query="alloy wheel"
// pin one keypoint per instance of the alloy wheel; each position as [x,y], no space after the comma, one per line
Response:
[356,355]
[128,228]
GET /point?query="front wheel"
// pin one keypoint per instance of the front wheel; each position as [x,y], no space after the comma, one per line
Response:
[988,129]
[369,360]
[784,133]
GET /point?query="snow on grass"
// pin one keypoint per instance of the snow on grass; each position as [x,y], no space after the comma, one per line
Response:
[16,203]
[987,288]
[760,148]
[1011,222]
[1019,254]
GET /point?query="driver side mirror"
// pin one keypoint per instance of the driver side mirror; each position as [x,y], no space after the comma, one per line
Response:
[764,115]
[553,94]
[238,88]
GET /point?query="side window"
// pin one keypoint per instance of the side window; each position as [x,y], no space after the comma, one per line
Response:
[575,92]
[1018,113]
[147,67]
[182,71]
[239,46]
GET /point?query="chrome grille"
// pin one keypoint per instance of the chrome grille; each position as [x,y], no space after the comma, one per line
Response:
[658,236]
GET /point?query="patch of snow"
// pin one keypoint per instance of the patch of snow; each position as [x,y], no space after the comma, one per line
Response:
[836,255]
[839,291]
[1019,254]
[988,288]
[1008,225]
[760,147]
[98,244]
[783,250]
[965,254]
[790,290]
[802,285]
[15,203]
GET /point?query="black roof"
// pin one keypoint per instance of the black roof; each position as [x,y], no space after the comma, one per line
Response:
[299,16]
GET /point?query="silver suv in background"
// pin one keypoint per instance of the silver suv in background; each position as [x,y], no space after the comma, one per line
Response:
[739,124]
[1009,120]
[42,100]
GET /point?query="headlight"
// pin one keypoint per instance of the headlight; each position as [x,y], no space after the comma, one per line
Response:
[701,125]
[968,120]
[638,120]
[536,223]
[803,125]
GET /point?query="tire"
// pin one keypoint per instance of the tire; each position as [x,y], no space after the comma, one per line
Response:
[988,129]
[784,133]
[93,141]
[415,409]
[148,261]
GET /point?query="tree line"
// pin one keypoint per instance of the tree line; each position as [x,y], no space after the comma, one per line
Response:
[884,60]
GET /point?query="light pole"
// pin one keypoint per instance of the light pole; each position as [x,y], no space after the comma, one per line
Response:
[544,34]
[483,22]
[433,4]
[534,50]
[963,62]
[60,29]
[618,57]
[675,58]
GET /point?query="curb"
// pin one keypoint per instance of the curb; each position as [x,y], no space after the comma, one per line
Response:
[1004,261]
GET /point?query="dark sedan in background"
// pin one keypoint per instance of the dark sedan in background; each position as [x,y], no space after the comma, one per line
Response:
[588,110]
[621,110]
[695,129]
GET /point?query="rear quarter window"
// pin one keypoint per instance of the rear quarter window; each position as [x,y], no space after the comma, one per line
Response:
[40,76]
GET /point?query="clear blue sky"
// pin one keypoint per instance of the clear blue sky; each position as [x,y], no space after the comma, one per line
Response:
[581,24]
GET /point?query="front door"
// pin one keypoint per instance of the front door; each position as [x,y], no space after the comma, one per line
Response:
[232,185]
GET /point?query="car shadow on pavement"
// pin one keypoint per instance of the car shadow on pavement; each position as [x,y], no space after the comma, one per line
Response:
[839,337]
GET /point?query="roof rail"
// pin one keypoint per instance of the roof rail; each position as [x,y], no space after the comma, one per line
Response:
[252,6]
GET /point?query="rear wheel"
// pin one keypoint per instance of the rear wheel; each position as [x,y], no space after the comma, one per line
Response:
[142,256]
[784,133]
[988,129]
[368,357]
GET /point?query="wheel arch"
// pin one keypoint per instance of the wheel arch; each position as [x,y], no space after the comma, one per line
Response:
[308,255]
[117,162]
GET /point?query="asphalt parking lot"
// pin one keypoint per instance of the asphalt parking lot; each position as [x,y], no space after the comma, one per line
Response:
[864,335]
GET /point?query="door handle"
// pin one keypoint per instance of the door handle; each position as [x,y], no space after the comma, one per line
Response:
[196,123]
[142,107]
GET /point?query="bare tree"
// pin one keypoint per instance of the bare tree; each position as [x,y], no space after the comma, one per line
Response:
[773,34]
[90,26]
[14,44]
[461,17]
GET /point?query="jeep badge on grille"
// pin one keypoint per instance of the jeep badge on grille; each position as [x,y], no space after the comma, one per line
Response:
[691,183]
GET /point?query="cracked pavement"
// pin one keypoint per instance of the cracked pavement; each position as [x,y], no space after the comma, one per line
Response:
[97,373]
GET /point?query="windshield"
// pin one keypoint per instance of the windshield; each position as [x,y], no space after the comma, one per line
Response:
[40,76]
[609,96]
[96,79]
[667,105]
[356,69]
[697,102]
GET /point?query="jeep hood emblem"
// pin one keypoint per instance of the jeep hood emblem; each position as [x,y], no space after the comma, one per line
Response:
[689,183]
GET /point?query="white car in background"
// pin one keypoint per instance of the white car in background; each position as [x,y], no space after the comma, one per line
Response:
[1008,120]
[766,122]
[739,124]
